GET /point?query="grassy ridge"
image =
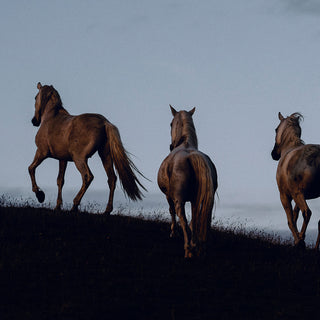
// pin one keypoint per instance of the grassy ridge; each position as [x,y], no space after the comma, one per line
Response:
[65,266]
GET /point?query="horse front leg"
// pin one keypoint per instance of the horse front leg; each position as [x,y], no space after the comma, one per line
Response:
[60,182]
[306,213]
[87,178]
[286,203]
[295,214]
[38,158]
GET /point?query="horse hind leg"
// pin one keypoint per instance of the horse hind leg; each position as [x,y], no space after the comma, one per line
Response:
[172,211]
[38,158]
[112,178]
[180,211]
[318,238]
[60,182]
[87,178]
[194,240]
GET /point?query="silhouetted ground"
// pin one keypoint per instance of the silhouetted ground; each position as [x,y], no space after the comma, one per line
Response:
[85,266]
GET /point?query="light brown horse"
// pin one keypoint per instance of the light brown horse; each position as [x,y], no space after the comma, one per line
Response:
[187,174]
[76,138]
[298,173]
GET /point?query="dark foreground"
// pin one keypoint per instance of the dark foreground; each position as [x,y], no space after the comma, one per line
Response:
[64,266]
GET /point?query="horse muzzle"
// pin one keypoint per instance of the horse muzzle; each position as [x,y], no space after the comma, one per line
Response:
[35,122]
[275,155]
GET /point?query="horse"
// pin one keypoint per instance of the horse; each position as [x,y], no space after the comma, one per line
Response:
[68,138]
[188,175]
[298,174]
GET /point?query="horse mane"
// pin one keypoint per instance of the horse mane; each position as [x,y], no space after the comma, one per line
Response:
[188,134]
[56,99]
[189,131]
[293,130]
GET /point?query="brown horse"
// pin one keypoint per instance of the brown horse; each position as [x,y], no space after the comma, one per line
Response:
[298,173]
[76,138]
[187,174]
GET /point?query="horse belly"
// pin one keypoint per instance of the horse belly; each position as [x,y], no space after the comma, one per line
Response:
[311,186]
[60,152]
[85,140]
[162,178]
[306,182]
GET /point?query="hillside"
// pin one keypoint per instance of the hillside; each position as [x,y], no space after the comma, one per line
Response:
[85,266]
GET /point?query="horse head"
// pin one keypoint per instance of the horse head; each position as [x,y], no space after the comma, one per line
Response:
[288,133]
[42,98]
[182,127]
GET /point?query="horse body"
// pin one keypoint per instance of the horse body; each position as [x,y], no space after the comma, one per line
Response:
[298,173]
[176,171]
[188,175]
[76,138]
[67,136]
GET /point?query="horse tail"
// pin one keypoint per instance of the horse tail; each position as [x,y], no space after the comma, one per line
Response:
[123,164]
[206,185]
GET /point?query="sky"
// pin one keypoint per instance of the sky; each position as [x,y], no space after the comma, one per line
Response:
[238,62]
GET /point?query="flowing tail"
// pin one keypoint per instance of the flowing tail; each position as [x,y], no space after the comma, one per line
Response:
[206,178]
[123,164]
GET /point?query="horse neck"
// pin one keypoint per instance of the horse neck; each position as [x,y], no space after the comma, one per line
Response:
[192,142]
[290,142]
[53,109]
[189,136]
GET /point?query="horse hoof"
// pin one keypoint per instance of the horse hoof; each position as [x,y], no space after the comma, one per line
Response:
[301,245]
[188,254]
[108,210]
[174,234]
[74,209]
[57,209]
[40,196]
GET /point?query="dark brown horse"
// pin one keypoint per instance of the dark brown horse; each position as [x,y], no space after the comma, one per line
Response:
[76,138]
[298,173]
[187,174]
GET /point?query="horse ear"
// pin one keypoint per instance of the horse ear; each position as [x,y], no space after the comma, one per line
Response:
[191,112]
[39,86]
[280,116]
[173,110]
